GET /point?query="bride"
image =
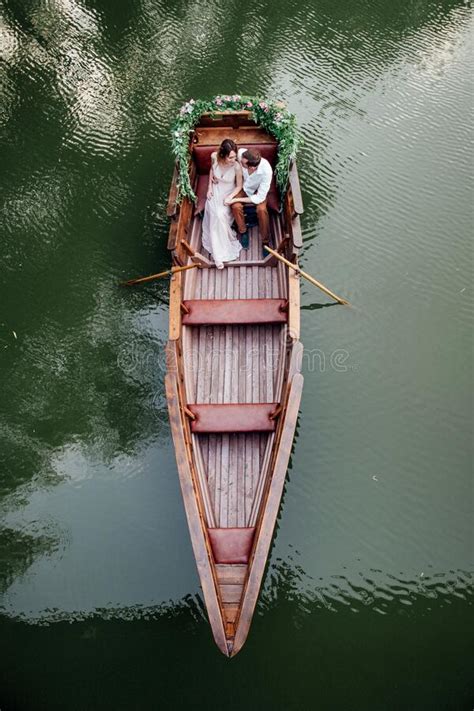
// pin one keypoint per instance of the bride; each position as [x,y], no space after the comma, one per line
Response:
[225,181]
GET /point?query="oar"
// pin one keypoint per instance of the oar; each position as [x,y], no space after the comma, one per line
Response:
[173,270]
[306,276]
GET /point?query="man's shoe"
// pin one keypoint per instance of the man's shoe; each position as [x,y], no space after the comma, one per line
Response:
[244,240]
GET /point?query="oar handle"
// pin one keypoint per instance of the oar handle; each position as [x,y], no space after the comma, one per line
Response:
[173,270]
[311,279]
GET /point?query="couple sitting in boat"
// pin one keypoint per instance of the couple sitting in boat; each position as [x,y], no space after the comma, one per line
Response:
[238,177]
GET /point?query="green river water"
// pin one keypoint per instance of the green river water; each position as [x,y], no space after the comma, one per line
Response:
[367,603]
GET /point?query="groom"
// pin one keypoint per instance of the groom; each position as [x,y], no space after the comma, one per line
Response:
[257,177]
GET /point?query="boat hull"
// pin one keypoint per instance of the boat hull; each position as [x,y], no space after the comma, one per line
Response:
[233,387]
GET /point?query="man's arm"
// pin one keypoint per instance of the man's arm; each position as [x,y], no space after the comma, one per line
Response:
[230,201]
[263,188]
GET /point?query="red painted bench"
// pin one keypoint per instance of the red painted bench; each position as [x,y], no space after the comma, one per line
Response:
[200,312]
[233,417]
[231,545]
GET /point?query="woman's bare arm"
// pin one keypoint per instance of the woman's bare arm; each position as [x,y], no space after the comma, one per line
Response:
[210,184]
[211,178]
[238,182]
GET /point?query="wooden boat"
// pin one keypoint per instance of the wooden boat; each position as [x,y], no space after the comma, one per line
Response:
[233,382]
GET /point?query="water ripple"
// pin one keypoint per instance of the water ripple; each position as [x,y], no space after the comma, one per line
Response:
[382,94]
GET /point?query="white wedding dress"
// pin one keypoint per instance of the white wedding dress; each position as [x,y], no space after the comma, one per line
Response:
[217,235]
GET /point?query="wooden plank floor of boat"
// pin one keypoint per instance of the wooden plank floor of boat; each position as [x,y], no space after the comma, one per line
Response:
[234,364]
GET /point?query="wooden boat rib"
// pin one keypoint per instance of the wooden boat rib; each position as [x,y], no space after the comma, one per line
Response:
[233,384]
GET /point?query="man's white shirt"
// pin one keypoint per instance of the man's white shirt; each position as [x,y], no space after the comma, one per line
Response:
[257,184]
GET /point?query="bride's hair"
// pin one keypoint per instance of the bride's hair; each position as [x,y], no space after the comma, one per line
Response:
[226,147]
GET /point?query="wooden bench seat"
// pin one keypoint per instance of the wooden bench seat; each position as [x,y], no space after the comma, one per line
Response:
[231,545]
[200,312]
[234,417]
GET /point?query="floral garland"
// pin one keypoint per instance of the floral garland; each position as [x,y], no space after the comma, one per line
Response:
[272,116]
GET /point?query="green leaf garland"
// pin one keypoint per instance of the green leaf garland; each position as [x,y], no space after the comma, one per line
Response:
[271,115]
